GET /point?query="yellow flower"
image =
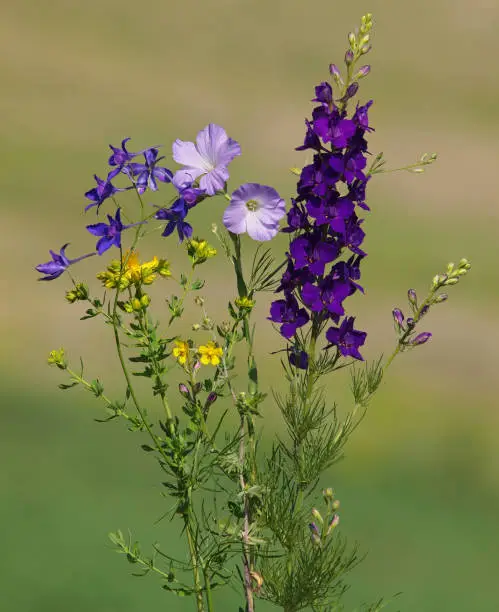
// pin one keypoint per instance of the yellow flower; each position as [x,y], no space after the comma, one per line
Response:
[210,353]
[181,351]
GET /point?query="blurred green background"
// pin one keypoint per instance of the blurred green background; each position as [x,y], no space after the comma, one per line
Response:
[419,488]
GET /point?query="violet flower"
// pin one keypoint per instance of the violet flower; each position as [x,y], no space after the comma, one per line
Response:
[208,159]
[147,173]
[346,338]
[110,234]
[59,264]
[104,190]
[120,158]
[289,314]
[255,209]
[175,215]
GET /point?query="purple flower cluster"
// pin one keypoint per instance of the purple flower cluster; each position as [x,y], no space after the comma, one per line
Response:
[324,224]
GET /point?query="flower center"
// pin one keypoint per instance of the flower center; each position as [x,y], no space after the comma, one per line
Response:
[252,205]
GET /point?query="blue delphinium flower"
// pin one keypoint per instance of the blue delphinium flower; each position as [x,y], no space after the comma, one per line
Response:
[324,222]
[110,233]
[255,209]
[189,196]
[59,264]
[145,175]
[120,158]
[207,159]
[104,190]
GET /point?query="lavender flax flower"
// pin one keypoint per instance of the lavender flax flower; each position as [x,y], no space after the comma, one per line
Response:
[59,264]
[255,209]
[208,159]
[110,234]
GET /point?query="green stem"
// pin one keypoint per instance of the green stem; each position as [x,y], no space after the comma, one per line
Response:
[194,562]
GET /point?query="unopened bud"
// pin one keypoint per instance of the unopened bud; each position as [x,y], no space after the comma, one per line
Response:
[196,366]
[349,57]
[328,494]
[196,327]
[363,72]
[352,40]
[398,317]
[315,534]
[333,523]
[317,515]
[335,505]
[211,399]
[424,310]
[183,390]
[440,298]
[198,300]
[410,322]
[421,338]
[412,297]
[334,71]
[451,281]
[351,90]
[365,49]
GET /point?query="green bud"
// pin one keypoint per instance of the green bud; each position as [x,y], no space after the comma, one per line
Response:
[295,171]
[352,40]
[451,281]
[145,300]
[335,505]
[198,300]
[328,495]
[79,293]
[196,327]
[450,268]
[464,263]
[317,515]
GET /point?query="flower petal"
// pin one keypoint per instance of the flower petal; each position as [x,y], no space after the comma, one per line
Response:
[215,146]
[214,181]
[258,230]
[185,153]
[234,218]
[186,176]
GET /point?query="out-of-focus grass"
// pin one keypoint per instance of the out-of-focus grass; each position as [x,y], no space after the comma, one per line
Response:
[418,488]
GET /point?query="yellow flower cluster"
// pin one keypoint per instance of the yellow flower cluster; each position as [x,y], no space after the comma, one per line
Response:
[134,272]
[209,353]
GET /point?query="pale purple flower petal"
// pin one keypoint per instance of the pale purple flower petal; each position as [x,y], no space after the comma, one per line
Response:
[208,158]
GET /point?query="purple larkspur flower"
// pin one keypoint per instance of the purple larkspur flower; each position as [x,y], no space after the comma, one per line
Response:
[175,215]
[332,128]
[312,251]
[328,296]
[255,209]
[208,158]
[120,157]
[349,166]
[110,233]
[189,196]
[149,172]
[59,264]
[104,190]
[346,338]
[289,314]
[334,214]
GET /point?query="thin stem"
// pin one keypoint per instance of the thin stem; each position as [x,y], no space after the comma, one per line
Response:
[194,562]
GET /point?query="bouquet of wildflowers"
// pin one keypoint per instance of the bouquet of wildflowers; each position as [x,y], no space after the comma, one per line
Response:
[251,514]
